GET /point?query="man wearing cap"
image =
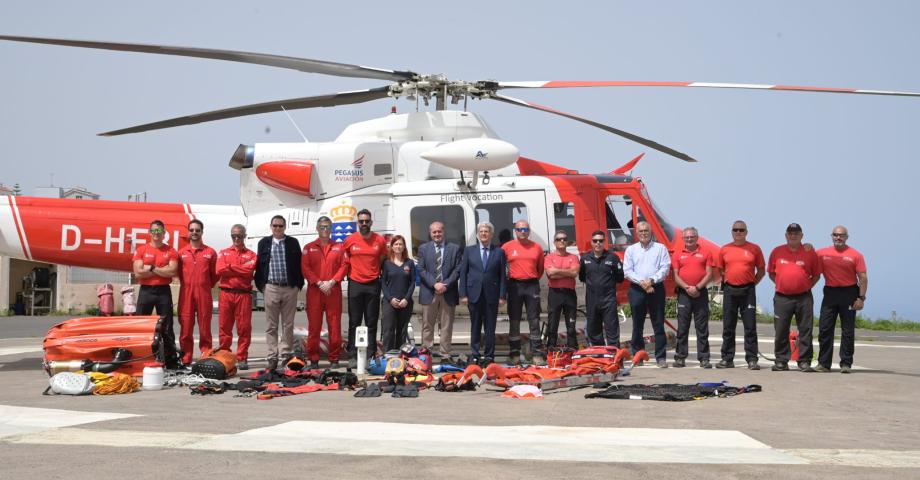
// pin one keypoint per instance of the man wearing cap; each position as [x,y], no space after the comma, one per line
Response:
[525,267]
[845,286]
[742,267]
[692,272]
[601,271]
[795,270]
[645,265]
[324,265]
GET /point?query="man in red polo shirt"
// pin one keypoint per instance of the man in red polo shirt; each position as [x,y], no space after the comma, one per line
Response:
[196,279]
[692,271]
[742,267]
[324,266]
[845,286]
[525,267]
[236,266]
[155,264]
[366,250]
[795,271]
[561,269]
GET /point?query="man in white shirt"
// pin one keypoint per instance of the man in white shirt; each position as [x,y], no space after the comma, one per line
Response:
[646,264]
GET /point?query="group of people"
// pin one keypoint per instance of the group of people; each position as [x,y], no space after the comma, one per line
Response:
[382,276]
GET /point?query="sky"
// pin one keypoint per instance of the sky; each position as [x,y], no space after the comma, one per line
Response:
[769,158]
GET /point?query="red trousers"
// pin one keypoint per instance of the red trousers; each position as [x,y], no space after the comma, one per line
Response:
[194,303]
[317,304]
[235,307]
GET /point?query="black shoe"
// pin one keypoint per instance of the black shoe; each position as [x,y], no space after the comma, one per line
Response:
[486,362]
[242,365]
[822,369]
[314,365]
[753,365]
[780,367]
[352,363]
[705,364]
[273,364]
[679,363]
[334,365]
[805,367]
[725,364]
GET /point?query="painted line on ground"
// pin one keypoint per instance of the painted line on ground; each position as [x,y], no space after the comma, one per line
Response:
[15,421]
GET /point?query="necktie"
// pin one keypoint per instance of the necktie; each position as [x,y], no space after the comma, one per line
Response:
[485,257]
[438,263]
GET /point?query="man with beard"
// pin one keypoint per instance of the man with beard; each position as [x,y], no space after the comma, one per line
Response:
[366,250]
[197,277]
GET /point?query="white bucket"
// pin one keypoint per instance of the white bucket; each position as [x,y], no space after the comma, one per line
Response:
[153,376]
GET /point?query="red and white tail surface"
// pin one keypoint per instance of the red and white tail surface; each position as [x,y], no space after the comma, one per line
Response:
[101,233]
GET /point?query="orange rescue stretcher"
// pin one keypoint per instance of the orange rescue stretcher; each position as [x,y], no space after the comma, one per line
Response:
[103,344]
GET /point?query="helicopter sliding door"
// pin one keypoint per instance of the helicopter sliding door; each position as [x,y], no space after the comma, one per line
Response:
[505,212]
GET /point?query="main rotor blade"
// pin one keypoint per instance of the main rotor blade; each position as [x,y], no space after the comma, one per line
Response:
[294,63]
[752,86]
[616,131]
[330,100]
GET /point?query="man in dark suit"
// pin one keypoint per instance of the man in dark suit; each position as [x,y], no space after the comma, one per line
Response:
[482,287]
[280,280]
[438,270]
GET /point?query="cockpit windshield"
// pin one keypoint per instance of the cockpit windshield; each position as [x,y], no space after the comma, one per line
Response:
[663,222]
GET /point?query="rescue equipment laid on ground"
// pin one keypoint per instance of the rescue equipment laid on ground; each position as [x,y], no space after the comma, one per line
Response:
[672,392]
[153,376]
[526,392]
[216,364]
[114,384]
[103,344]
[70,383]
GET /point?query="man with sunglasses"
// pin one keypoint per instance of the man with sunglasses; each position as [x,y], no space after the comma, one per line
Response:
[561,269]
[235,267]
[525,267]
[197,277]
[324,266]
[646,265]
[155,264]
[279,278]
[742,267]
[692,271]
[366,251]
[601,271]
[845,286]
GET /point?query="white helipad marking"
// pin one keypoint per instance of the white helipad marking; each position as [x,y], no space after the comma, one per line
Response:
[18,350]
[642,445]
[112,438]
[25,420]
[860,458]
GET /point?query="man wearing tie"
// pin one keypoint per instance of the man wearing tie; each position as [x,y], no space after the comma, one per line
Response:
[482,287]
[438,270]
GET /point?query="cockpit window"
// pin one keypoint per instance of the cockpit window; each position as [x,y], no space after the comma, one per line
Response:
[663,222]
[619,214]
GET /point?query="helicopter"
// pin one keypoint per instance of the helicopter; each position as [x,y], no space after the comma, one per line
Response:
[408,169]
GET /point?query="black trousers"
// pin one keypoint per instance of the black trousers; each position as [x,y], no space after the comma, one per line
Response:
[744,306]
[643,303]
[524,293]
[394,325]
[561,301]
[363,307]
[838,301]
[159,297]
[696,309]
[483,317]
[784,307]
[602,327]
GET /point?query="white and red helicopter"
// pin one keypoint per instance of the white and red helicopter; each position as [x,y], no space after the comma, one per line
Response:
[407,169]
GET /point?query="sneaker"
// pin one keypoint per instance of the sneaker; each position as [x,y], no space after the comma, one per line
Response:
[679,363]
[822,369]
[242,365]
[780,367]
[725,364]
[753,365]
[805,367]
[705,364]
[845,369]
[334,365]
[662,363]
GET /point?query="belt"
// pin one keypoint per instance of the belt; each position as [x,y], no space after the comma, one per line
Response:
[154,287]
[806,292]
[525,280]
[235,290]
[277,284]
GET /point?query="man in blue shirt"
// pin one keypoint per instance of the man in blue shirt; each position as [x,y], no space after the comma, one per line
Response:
[646,264]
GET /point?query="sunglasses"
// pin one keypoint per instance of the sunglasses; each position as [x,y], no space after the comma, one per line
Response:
[597,240]
[157,230]
[839,235]
[365,222]
[194,230]
[561,239]
[689,237]
[739,230]
[277,225]
[324,227]
[236,235]
[522,229]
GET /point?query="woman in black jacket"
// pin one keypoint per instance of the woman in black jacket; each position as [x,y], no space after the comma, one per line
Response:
[398,283]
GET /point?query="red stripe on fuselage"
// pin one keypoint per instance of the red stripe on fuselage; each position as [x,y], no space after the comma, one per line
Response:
[19,231]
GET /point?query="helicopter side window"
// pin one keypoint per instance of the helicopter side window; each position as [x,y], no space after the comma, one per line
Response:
[451,216]
[502,216]
[564,214]
[619,222]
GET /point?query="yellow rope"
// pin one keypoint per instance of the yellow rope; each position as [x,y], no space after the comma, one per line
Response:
[113,384]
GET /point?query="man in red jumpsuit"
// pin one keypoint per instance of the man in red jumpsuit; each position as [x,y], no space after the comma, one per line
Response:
[235,267]
[324,265]
[196,278]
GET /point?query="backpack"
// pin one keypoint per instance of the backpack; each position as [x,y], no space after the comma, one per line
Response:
[216,364]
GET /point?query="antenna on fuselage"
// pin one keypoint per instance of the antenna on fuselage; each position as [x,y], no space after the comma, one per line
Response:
[304,137]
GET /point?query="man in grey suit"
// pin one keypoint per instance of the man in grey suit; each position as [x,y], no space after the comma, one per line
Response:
[438,270]
[482,286]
